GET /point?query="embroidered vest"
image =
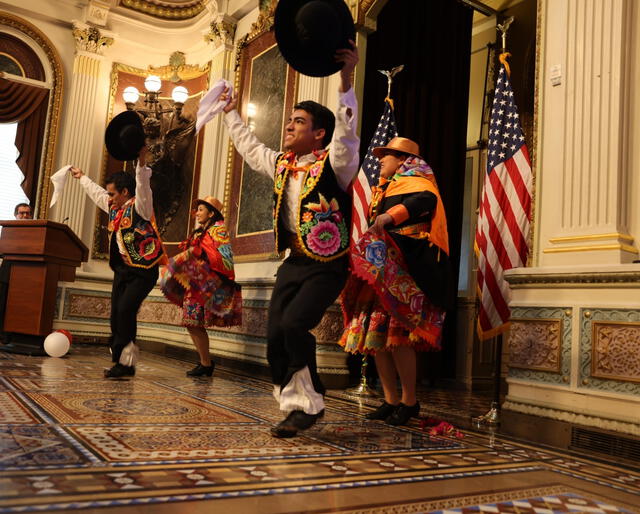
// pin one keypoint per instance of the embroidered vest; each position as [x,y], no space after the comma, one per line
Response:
[323,213]
[138,239]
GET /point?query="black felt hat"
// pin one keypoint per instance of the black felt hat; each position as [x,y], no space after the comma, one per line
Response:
[309,32]
[124,136]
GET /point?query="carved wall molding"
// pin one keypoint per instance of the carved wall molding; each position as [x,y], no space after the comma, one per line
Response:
[624,279]
[263,24]
[609,350]
[573,417]
[97,13]
[177,69]
[540,344]
[615,350]
[536,344]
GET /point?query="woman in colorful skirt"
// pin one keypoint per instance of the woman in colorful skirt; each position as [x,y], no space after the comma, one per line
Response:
[200,279]
[394,303]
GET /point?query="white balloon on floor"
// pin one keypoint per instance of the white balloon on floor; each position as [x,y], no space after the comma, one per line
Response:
[56,344]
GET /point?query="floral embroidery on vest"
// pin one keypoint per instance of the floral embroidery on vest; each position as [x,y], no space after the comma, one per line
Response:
[322,227]
[138,240]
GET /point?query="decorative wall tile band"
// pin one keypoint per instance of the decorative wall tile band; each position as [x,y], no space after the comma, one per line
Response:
[157,312]
[540,344]
[610,350]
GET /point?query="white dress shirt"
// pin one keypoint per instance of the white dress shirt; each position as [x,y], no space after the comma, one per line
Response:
[343,153]
[144,196]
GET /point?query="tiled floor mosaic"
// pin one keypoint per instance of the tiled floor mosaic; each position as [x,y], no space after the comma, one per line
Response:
[161,442]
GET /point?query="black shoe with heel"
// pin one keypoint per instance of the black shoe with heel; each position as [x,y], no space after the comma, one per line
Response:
[402,414]
[201,371]
[382,412]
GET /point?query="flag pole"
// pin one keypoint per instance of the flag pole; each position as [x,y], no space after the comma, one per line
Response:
[492,416]
[363,389]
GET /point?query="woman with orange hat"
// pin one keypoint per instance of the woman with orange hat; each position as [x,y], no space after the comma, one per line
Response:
[394,303]
[200,279]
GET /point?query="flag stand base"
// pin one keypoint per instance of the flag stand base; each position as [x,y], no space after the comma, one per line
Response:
[491,417]
[363,390]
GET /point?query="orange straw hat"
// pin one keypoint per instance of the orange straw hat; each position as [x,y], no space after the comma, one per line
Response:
[212,203]
[398,144]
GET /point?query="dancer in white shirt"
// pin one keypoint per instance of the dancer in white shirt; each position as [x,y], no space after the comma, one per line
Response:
[312,211]
[135,252]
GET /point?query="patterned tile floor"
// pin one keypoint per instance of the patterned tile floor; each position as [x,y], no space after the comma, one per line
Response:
[72,441]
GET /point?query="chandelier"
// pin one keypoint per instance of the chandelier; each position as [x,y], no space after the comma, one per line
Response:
[167,131]
[151,93]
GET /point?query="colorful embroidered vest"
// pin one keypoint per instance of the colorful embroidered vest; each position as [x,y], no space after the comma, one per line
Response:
[324,209]
[138,239]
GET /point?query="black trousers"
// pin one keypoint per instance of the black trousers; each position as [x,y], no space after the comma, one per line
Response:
[303,291]
[130,287]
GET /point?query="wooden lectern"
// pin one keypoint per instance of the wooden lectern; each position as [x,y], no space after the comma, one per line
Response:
[38,253]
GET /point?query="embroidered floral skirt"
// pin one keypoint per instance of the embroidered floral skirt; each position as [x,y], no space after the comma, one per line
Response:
[382,305]
[207,299]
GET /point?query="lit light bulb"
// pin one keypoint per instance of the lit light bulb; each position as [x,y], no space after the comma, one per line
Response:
[130,95]
[180,94]
[152,83]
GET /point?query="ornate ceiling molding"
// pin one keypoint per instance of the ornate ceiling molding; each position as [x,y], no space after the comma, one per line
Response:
[167,10]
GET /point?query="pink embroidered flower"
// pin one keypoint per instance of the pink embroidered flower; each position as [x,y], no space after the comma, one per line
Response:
[315,169]
[324,238]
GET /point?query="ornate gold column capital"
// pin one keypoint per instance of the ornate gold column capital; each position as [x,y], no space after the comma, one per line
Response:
[90,39]
[222,31]
[365,13]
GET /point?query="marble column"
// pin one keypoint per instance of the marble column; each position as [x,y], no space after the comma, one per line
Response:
[584,167]
[217,155]
[575,322]
[78,141]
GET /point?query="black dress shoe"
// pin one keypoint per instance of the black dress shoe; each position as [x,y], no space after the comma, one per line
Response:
[382,412]
[295,421]
[402,414]
[119,371]
[201,371]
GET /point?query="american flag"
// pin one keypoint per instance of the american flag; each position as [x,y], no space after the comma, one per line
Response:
[370,172]
[503,222]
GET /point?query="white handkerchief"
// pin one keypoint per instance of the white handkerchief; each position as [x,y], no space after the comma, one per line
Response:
[59,179]
[210,105]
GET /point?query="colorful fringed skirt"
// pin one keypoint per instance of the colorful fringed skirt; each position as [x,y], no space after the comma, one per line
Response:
[207,298]
[382,306]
